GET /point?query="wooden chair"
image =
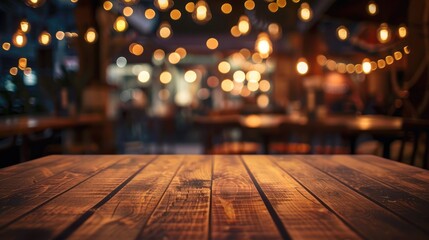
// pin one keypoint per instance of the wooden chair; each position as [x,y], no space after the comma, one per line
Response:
[416,137]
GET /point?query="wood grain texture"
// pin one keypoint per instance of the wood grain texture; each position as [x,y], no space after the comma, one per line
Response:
[397,178]
[123,216]
[363,215]
[53,218]
[238,211]
[22,201]
[183,212]
[302,214]
[7,172]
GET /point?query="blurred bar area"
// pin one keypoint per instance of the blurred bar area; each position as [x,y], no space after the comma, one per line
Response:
[214,77]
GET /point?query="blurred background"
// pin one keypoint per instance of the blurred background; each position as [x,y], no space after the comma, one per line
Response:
[206,76]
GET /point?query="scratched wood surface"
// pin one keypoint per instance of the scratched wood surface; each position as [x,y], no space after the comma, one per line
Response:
[213,197]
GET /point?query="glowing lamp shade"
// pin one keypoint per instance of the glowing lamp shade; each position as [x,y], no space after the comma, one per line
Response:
[383,33]
[34,3]
[163,5]
[302,66]
[19,39]
[263,45]
[90,35]
[164,30]
[366,66]
[305,13]
[342,33]
[45,38]
[243,25]
[24,25]
[120,24]
[201,13]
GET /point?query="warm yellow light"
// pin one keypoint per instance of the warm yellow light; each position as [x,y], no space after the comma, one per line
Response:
[366,66]
[130,2]
[34,3]
[256,57]
[302,66]
[273,7]
[74,1]
[60,35]
[212,43]
[245,53]
[372,8]
[245,92]
[253,76]
[341,67]
[163,5]
[244,25]
[305,13]
[264,86]
[281,3]
[159,54]
[128,11]
[165,77]
[253,86]
[381,63]
[226,8]
[201,13]
[373,65]
[149,13]
[402,31]
[182,52]
[239,76]
[263,45]
[175,14]
[24,25]
[331,65]
[321,60]
[190,76]
[389,60]
[227,85]
[342,32]
[190,7]
[224,67]
[249,4]
[406,50]
[44,38]
[263,101]
[22,63]
[136,49]
[19,39]
[164,30]
[13,71]
[212,81]
[174,58]
[275,30]
[235,32]
[120,24]
[143,76]
[6,46]
[358,68]
[397,55]
[350,68]
[107,5]
[90,35]
[383,33]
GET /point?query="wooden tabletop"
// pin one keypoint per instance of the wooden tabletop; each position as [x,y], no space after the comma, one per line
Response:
[214,197]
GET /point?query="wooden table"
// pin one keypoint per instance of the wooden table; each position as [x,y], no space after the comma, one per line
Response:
[214,197]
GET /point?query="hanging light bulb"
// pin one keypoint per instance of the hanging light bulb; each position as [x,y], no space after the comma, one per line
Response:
[305,13]
[372,8]
[164,30]
[34,3]
[24,25]
[383,33]
[19,39]
[163,5]
[402,31]
[90,35]
[120,24]
[342,33]
[201,13]
[366,66]
[44,38]
[263,45]
[244,25]
[302,66]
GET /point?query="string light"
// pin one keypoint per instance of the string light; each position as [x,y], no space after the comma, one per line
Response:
[281,3]
[244,25]
[174,58]
[190,7]
[60,35]
[163,5]
[305,13]
[402,31]
[143,77]
[90,35]
[273,7]
[149,13]
[212,43]
[24,26]
[263,45]
[249,5]
[366,66]
[372,8]
[120,24]
[383,33]
[127,11]
[224,67]
[107,5]
[34,3]
[226,8]
[182,52]
[275,30]
[136,49]
[19,39]
[342,32]
[164,30]
[190,76]
[44,38]
[302,66]
[201,13]
[6,46]
[165,77]
[175,14]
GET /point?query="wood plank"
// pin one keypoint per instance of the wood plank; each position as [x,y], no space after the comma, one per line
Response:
[123,216]
[35,175]
[22,167]
[238,211]
[68,209]
[395,178]
[397,201]
[303,216]
[22,201]
[183,212]
[364,216]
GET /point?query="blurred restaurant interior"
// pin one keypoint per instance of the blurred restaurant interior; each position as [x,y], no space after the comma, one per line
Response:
[214,77]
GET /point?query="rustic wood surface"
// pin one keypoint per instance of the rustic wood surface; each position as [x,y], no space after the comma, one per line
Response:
[214,197]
